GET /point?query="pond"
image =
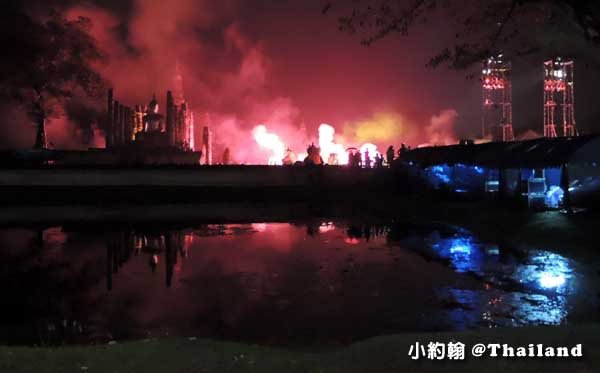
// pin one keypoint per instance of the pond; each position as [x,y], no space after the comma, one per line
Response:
[313,282]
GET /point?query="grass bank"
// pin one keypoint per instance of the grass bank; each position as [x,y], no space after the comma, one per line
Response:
[380,354]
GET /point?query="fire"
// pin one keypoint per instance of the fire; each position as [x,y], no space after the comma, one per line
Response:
[371,150]
[333,153]
[271,142]
[329,149]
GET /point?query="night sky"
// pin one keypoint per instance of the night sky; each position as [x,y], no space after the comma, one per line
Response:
[286,65]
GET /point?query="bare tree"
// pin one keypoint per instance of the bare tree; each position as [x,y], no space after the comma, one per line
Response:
[45,62]
[481,27]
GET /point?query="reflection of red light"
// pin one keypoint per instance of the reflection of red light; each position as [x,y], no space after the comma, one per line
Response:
[351,241]
[259,227]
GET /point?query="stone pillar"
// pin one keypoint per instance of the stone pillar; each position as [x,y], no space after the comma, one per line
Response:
[122,124]
[191,139]
[115,128]
[183,130]
[130,125]
[171,114]
[109,120]
[206,146]
[138,121]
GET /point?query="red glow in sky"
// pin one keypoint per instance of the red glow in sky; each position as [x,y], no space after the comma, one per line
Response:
[286,65]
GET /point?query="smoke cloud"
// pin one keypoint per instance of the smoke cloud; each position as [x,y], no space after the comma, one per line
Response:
[231,79]
[441,128]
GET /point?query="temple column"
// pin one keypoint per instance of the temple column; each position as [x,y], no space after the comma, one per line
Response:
[170,127]
[109,121]
[115,123]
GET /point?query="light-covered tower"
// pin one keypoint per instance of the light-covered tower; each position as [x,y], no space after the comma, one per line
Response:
[559,97]
[497,99]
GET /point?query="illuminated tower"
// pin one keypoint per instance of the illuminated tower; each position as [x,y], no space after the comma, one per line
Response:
[497,99]
[559,97]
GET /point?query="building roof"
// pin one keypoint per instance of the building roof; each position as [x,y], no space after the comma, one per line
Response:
[536,153]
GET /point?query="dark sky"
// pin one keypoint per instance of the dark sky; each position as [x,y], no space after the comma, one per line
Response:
[284,64]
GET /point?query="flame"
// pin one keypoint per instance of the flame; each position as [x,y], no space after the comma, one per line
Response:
[371,149]
[271,142]
[329,147]
[332,153]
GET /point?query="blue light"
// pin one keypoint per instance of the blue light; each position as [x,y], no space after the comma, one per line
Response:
[554,196]
[464,254]
[547,271]
[460,248]
[549,280]
[439,173]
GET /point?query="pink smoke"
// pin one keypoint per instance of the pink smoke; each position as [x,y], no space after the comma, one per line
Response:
[229,81]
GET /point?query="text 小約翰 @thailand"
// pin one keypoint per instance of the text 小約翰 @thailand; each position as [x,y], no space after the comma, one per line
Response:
[454,350]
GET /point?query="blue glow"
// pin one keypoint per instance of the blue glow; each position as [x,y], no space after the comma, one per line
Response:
[441,173]
[554,196]
[552,176]
[464,254]
[530,289]
[546,270]
[549,280]
[460,248]
[438,175]
[463,178]
[492,250]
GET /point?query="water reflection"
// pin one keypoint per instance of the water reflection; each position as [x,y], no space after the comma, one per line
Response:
[521,288]
[280,283]
[154,244]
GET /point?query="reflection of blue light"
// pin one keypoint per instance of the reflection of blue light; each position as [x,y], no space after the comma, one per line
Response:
[549,280]
[478,169]
[460,191]
[548,271]
[464,254]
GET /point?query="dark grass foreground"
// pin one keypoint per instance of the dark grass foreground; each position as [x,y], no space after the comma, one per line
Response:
[381,354]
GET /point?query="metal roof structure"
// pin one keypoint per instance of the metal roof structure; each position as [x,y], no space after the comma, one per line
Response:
[537,153]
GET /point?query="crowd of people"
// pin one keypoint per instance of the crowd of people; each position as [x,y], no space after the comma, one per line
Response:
[355,157]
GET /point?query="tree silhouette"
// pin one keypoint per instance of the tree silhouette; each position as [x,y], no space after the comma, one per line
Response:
[517,27]
[45,62]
